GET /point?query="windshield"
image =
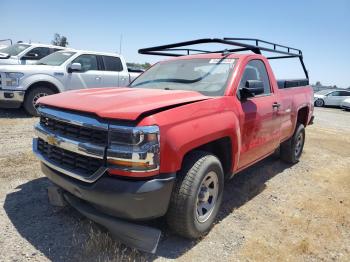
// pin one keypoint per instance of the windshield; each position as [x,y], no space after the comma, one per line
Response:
[207,76]
[323,92]
[55,59]
[14,50]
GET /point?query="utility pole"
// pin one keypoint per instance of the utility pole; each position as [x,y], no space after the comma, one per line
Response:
[120,44]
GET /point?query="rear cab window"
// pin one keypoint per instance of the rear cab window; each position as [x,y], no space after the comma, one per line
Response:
[112,63]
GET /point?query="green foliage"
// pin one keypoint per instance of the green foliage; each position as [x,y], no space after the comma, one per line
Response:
[60,40]
[143,66]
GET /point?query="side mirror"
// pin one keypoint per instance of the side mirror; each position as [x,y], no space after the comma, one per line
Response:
[252,88]
[75,67]
[31,56]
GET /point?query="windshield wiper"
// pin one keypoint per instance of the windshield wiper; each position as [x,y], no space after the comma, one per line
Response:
[169,80]
[41,63]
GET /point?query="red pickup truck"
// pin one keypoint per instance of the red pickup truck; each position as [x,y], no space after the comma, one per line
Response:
[165,145]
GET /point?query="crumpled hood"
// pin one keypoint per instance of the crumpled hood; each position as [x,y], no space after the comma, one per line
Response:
[120,103]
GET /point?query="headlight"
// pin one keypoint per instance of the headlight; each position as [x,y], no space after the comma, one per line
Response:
[12,79]
[133,151]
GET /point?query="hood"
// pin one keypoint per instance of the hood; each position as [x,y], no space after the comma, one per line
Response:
[319,96]
[121,103]
[27,68]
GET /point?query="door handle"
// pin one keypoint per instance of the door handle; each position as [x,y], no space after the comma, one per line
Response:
[276,105]
[98,78]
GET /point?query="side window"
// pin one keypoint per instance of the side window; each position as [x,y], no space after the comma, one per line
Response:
[335,93]
[344,93]
[39,51]
[112,63]
[256,70]
[88,62]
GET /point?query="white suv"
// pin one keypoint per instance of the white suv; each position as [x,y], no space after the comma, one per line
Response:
[24,53]
[61,71]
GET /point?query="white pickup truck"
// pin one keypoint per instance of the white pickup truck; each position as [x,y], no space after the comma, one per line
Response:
[25,53]
[61,71]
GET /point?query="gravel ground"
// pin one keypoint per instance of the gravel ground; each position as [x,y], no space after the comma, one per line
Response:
[272,211]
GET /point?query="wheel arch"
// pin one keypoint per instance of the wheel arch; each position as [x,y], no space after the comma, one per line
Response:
[303,116]
[222,148]
[47,84]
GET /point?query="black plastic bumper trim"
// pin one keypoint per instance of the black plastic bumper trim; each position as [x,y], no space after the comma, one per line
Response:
[126,199]
[138,236]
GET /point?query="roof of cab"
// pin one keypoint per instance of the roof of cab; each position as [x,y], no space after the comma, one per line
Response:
[90,52]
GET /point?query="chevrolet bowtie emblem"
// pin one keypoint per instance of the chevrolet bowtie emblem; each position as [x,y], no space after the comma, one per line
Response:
[52,140]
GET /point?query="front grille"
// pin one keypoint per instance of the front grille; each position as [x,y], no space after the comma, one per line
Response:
[83,134]
[80,164]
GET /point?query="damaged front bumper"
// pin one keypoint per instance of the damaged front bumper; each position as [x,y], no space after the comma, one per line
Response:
[119,205]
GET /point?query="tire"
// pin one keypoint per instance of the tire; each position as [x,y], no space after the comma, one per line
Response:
[319,102]
[32,96]
[200,184]
[292,149]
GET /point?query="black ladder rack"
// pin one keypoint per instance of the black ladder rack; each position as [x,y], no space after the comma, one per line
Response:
[254,45]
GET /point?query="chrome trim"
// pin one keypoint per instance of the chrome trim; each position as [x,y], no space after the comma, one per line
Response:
[67,172]
[73,118]
[86,149]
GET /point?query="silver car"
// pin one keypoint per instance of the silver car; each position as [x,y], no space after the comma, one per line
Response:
[345,104]
[330,97]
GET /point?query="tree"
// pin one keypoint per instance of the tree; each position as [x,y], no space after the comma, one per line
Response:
[139,66]
[59,40]
[318,83]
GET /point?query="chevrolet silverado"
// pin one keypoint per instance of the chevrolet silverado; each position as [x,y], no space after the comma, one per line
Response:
[165,145]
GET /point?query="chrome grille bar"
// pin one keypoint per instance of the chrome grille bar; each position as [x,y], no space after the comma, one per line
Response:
[86,149]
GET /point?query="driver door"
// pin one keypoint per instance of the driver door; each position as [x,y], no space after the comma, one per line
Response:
[259,117]
[88,77]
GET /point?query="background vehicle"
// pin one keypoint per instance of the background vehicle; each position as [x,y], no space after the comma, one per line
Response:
[58,72]
[345,104]
[5,43]
[166,145]
[25,53]
[330,97]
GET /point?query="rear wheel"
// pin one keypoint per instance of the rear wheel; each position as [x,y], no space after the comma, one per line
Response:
[319,102]
[32,97]
[197,195]
[291,150]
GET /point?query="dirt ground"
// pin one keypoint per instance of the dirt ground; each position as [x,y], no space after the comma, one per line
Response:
[271,212]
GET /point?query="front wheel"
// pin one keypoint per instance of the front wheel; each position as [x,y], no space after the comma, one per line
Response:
[32,97]
[197,195]
[319,102]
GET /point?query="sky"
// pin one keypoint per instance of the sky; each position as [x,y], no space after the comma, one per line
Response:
[321,29]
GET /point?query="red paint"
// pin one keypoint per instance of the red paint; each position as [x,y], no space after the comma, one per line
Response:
[254,127]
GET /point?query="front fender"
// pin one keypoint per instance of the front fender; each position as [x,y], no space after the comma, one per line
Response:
[188,127]
[30,80]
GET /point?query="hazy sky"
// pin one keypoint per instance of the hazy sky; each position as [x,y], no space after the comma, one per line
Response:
[320,28]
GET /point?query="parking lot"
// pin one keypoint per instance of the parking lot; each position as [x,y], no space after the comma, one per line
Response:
[272,211]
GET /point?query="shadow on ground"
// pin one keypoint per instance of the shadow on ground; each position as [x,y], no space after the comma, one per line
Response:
[13,113]
[54,231]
